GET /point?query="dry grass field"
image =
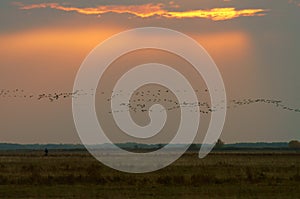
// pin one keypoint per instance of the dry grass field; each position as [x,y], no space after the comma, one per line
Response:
[76,174]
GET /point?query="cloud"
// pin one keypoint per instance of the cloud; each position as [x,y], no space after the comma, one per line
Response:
[146,10]
[216,14]
[150,10]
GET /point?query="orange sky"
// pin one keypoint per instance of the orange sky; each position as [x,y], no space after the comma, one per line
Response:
[54,40]
[254,44]
[82,40]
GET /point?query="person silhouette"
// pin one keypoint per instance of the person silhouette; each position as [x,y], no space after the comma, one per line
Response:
[46,152]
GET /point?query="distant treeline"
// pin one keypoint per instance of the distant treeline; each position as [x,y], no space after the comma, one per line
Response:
[9,146]
[137,146]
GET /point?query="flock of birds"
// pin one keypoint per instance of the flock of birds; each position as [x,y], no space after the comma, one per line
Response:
[20,93]
[142,99]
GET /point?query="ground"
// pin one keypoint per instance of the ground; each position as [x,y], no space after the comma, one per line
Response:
[76,174]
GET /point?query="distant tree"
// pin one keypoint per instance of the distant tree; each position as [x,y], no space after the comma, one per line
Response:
[294,144]
[159,146]
[219,144]
[194,147]
[136,146]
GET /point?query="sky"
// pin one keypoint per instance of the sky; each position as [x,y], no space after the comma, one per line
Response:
[255,44]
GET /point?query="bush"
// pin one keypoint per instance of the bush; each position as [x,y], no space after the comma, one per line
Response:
[179,180]
[164,180]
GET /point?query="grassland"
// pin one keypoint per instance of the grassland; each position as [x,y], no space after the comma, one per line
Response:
[76,174]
